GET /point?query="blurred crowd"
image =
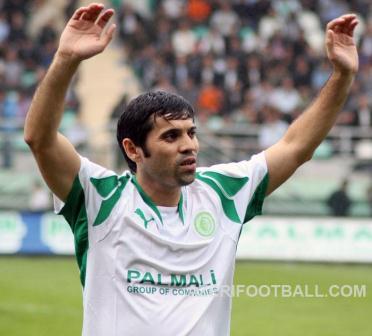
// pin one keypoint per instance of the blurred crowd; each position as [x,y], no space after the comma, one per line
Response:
[238,61]
[244,61]
[29,33]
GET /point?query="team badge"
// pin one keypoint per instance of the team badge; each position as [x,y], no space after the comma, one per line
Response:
[204,224]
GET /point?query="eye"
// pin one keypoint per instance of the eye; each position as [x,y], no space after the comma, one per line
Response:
[170,137]
[192,133]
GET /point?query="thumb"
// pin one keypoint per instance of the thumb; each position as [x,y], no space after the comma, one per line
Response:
[329,41]
[329,37]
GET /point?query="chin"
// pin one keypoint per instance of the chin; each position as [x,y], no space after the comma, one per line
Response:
[186,180]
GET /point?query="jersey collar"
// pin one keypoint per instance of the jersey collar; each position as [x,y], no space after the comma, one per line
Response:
[146,198]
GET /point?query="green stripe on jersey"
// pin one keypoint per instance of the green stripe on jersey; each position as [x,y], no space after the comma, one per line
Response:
[110,188]
[75,213]
[255,205]
[226,188]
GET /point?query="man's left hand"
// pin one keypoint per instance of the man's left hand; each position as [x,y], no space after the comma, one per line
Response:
[340,44]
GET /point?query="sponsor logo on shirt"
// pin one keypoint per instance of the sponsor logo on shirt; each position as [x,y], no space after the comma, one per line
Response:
[182,280]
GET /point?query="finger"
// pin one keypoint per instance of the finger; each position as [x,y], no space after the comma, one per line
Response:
[329,38]
[93,11]
[344,28]
[107,37]
[337,28]
[334,23]
[347,27]
[352,26]
[349,16]
[78,13]
[105,17]
[348,20]
[339,24]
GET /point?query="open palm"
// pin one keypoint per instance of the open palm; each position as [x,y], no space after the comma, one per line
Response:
[340,45]
[84,35]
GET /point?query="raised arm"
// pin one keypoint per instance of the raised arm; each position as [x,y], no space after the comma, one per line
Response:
[83,37]
[308,131]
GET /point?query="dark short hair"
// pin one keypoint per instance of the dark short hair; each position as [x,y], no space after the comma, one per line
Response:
[135,122]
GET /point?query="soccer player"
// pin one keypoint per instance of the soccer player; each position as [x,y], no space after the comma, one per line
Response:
[156,245]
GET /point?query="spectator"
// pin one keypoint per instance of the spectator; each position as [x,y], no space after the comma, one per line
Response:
[173,8]
[302,74]
[286,98]
[198,10]
[212,42]
[225,19]
[40,198]
[210,101]
[363,112]
[369,198]
[180,71]
[4,28]
[320,75]
[269,25]
[13,68]
[366,45]
[183,39]
[27,46]
[339,202]
[189,90]
[248,45]
[273,127]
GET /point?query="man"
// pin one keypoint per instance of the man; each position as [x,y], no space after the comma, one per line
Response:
[156,245]
[339,202]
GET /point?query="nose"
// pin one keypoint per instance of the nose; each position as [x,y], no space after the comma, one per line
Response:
[189,145]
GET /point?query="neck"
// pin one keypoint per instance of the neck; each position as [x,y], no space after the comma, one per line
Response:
[160,194]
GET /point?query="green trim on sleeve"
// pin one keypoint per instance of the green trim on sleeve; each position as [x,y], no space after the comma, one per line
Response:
[75,214]
[110,189]
[255,205]
[226,188]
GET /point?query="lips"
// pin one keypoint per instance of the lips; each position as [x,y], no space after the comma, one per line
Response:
[188,161]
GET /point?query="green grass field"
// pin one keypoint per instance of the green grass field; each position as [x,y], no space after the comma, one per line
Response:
[42,296]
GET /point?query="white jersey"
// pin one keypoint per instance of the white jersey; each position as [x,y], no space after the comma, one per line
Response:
[143,274]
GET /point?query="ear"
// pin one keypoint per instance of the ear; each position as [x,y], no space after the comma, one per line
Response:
[131,150]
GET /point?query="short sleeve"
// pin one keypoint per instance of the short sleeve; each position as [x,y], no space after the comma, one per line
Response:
[75,202]
[241,186]
[93,195]
[74,211]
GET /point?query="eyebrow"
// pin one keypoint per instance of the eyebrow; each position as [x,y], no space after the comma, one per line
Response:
[177,130]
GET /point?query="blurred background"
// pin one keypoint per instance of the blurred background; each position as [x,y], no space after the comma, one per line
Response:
[249,67]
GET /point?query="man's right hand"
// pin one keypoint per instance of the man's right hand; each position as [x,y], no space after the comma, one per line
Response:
[84,35]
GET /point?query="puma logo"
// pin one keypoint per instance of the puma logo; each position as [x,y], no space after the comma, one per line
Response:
[146,222]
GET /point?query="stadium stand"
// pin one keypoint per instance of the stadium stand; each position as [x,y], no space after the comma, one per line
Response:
[243,54]
[250,67]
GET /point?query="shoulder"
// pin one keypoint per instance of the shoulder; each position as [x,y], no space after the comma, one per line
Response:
[245,168]
[93,174]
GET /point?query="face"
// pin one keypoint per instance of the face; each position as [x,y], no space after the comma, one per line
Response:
[172,148]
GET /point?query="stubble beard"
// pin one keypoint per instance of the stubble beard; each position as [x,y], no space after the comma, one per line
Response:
[184,179]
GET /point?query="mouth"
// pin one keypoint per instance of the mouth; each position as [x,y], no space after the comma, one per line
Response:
[189,163]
